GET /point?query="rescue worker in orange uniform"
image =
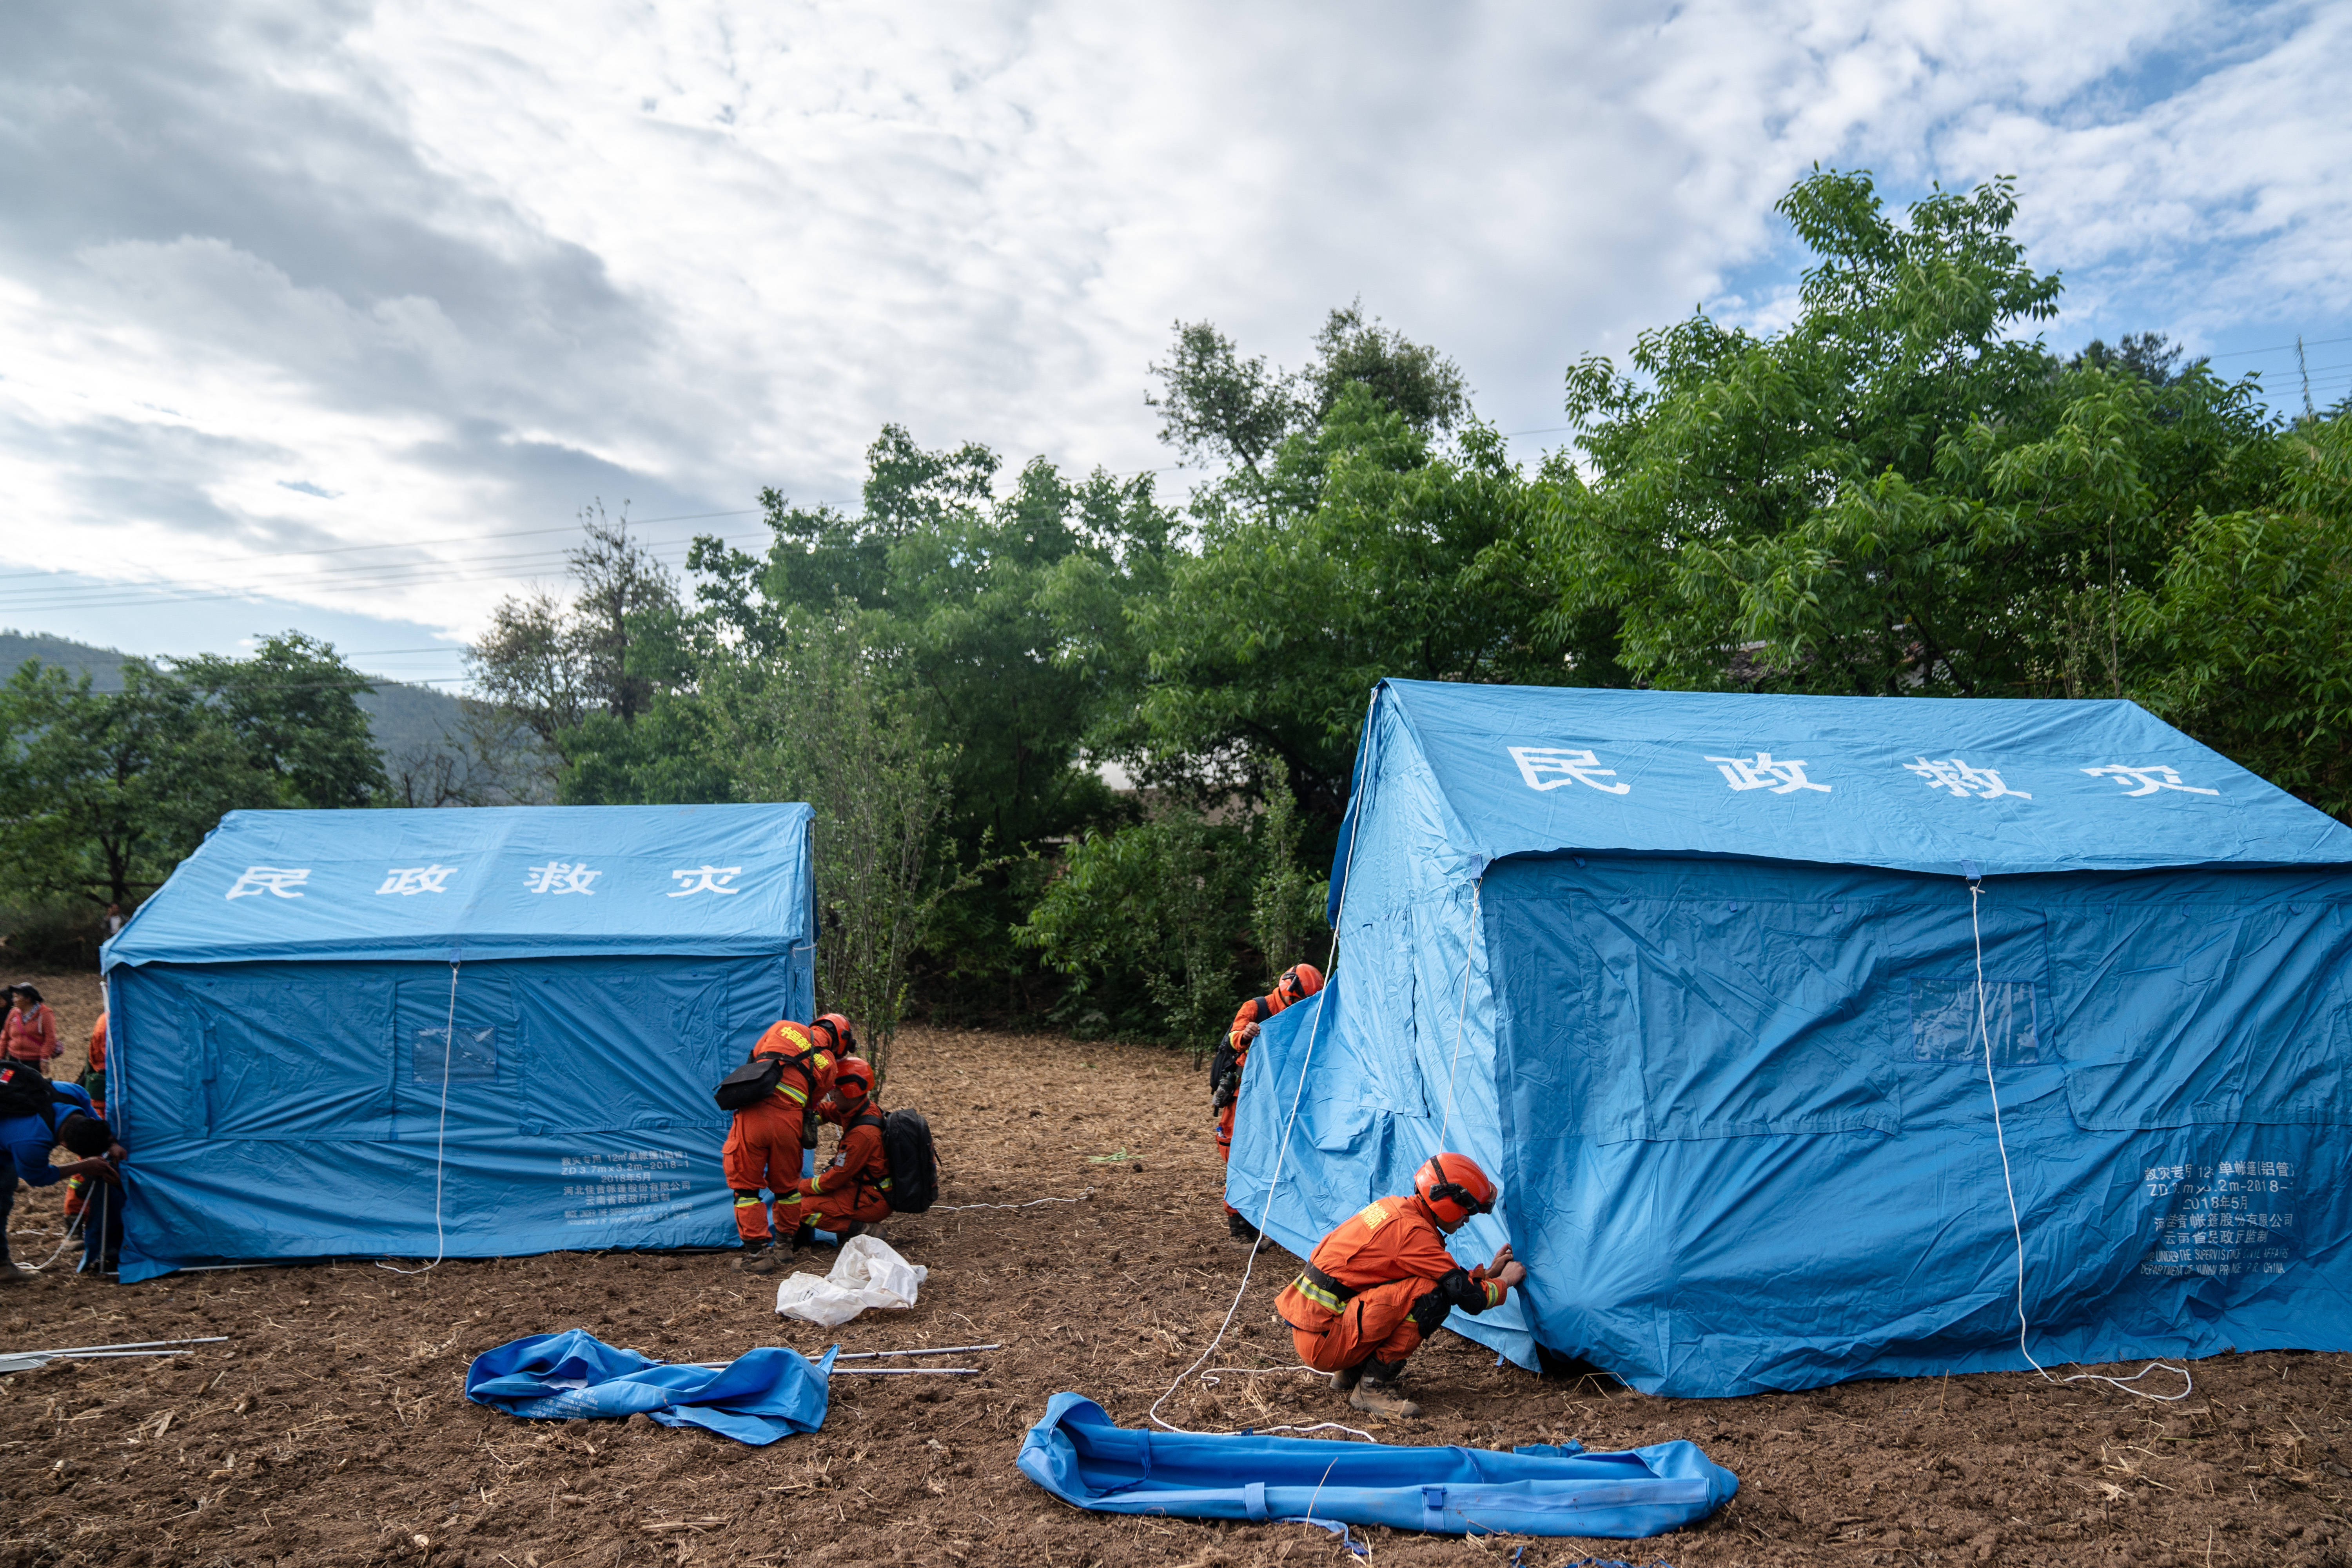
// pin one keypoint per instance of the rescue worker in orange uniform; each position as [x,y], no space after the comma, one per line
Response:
[854,1191]
[766,1147]
[1381,1282]
[1298,982]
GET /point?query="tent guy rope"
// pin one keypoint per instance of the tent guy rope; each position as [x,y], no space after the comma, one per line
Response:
[1281,1157]
[2009,1184]
[441,1132]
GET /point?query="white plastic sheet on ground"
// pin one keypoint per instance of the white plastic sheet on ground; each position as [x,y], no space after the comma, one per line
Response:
[867,1274]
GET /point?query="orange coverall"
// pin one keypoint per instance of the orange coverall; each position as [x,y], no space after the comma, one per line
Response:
[1377,1286]
[1246,1019]
[763,1148]
[856,1187]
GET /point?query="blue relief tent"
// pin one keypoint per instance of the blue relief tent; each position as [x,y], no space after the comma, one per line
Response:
[1697,978]
[282,1052]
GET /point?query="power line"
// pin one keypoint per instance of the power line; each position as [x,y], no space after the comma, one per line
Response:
[102,595]
[2277,349]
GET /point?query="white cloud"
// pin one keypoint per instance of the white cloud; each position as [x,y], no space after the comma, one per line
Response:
[464,267]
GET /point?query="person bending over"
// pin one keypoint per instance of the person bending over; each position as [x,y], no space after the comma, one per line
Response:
[1296,984]
[27,1136]
[1382,1281]
[765,1145]
[854,1191]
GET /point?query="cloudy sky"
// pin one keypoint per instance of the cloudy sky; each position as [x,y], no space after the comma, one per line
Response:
[332,315]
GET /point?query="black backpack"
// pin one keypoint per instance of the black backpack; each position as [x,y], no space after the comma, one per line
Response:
[25,1092]
[750,1084]
[914,1165]
[757,1079]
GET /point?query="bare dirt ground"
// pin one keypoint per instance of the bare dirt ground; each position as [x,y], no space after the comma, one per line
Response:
[331,1429]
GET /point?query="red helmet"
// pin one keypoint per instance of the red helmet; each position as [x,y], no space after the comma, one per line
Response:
[844,1039]
[1298,982]
[1454,1188]
[853,1080]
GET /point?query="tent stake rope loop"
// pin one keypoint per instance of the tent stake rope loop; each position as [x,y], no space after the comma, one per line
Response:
[441,1133]
[2009,1184]
[1281,1156]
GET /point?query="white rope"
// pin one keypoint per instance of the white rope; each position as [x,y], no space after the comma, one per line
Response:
[1031,1203]
[2017,1228]
[52,1257]
[441,1136]
[1281,1156]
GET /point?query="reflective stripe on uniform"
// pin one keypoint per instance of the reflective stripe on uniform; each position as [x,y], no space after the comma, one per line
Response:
[1319,1296]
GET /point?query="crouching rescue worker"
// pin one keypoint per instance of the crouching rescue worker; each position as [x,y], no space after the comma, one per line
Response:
[854,1191]
[1382,1281]
[767,1146]
[1298,982]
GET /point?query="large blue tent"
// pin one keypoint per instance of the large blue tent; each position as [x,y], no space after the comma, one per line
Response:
[1715,985]
[285,1070]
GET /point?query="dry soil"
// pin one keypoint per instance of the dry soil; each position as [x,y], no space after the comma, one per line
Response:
[331,1427]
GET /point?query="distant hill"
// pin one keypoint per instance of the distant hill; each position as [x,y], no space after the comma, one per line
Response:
[401,716]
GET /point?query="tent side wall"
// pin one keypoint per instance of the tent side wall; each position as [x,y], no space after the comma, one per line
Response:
[1395,1058]
[1749,1145]
[296,1110]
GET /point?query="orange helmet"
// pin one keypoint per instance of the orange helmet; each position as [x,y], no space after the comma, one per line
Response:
[853,1080]
[1454,1188]
[844,1039]
[784,1037]
[1298,982]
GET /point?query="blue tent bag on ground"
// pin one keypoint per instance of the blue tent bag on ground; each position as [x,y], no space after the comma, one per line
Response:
[1080,1455]
[760,1396]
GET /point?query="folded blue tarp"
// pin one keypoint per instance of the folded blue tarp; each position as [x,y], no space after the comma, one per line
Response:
[1078,1454]
[760,1396]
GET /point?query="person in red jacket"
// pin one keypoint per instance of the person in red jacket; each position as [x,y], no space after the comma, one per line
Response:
[1382,1281]
[30,1034]
[1298,982]
[764,1148]
[854,1191]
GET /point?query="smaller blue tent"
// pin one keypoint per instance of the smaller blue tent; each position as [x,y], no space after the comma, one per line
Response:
[284,1069]
[1709,982]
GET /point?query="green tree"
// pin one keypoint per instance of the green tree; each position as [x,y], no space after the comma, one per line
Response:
[104,793]
[967,597]
[2247,636]
[1898,494]
[293,711]
[1380,554]
[818,717]
[1162,903]
[1287,902]
[603,680]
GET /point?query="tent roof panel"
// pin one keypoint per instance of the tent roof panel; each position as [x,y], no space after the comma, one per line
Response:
[1938,785]
[486,882]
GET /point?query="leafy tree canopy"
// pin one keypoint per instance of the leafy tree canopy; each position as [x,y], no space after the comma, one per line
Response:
[1899,493]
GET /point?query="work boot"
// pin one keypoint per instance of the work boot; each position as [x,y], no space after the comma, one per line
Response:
[1379,1394]
[1347,1377]
[764,1259]
[1239,1228]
